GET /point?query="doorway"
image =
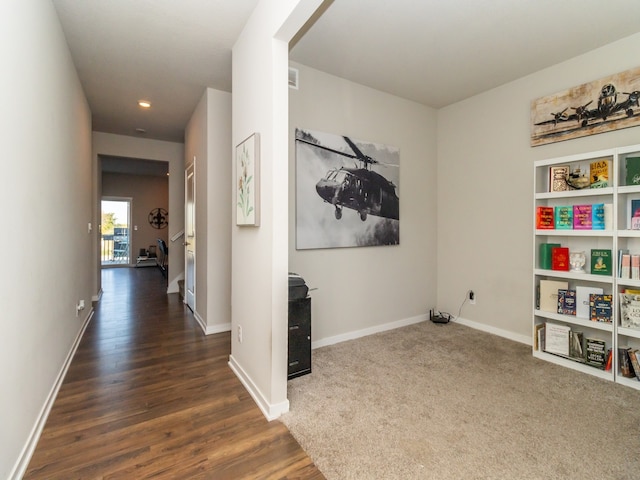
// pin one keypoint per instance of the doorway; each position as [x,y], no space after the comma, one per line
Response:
[115,239]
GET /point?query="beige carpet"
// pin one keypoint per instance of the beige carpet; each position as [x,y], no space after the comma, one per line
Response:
[449,402]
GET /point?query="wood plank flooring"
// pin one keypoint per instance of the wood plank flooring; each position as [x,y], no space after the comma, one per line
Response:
[148,395]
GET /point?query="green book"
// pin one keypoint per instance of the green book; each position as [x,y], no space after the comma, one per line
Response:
[545,254]
[564,218]
[633,171]
[601,262]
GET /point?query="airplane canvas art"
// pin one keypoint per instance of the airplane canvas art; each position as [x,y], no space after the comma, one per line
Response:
[601,106]
[347,192]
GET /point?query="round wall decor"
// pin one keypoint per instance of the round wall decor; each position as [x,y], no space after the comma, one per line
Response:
[158,218]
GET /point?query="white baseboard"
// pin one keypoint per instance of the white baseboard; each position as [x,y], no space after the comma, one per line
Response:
[495,331]
[368,331]
[173,285]
[96,298]
[271,412]
[32,441]
[211,329]
[410,321]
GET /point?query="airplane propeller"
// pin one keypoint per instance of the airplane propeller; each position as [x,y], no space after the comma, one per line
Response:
[582,110]
[559,116]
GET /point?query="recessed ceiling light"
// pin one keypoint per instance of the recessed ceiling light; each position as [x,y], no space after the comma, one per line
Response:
[144,103]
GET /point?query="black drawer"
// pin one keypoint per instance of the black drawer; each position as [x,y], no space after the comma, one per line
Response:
[299,351]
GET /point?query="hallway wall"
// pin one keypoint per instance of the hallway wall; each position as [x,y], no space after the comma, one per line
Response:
[46,205]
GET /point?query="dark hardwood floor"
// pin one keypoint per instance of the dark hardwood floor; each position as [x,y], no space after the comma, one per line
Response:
[148,395]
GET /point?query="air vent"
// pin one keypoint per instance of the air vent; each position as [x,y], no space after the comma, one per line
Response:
[293,78]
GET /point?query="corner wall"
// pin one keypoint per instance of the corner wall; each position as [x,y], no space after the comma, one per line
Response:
[208,144]
[485,189]
[259,255]
[46,206]
[367,289]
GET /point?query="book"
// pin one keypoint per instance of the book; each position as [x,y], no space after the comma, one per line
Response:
[609,363]
[545,218]
[576,350]
[597,217]
[563,216]
[601,262]
[633,206]
[595,354]
[625,269]
[621,252]
[557,338]
[634,361]
[624,364]
[608,216]
[549,294]
[558,178]
[583,300]
[599,173]
[635,267]
[582,217]
[600,306]
[566,302]
[538,337]
[545,254]
[560,258]
[632,165]
[629,310]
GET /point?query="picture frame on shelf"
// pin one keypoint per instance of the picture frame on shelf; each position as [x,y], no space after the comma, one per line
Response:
[248,181]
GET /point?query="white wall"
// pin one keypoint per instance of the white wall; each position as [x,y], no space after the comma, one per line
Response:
[259,255]
[485,188]
[144,148]
[367,289]
[208,141]
[46,205]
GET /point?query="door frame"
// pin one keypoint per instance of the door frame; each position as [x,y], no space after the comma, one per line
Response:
[190,237]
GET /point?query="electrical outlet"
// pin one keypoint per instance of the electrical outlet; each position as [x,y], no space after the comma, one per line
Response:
[239,333]
[472,297]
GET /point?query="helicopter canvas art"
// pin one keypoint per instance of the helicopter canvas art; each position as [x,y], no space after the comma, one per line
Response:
[347,192]
[601,106]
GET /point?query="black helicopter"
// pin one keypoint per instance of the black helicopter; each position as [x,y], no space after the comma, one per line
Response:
[607,106]
[360,189]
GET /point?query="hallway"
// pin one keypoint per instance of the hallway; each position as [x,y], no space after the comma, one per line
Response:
[149,395]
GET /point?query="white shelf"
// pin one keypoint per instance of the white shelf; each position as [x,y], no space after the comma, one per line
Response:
[575,365]
[573,320]
[618,196]
[584,277]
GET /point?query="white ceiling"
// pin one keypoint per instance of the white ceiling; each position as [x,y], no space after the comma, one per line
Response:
[435,52]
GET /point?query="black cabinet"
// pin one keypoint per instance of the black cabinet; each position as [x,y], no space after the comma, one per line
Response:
[299,359]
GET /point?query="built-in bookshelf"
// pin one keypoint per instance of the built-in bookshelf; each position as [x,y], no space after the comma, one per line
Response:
[605,183]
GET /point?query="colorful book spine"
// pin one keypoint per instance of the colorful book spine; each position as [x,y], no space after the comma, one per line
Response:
[597,216]
[545,254]
[558,178]
[599,173]
[632,165]
[635,267]
[566,302]
[582,217]
[564,218]
[560,258]
[545,218]
[600,307]
[625,268]
[601,262]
